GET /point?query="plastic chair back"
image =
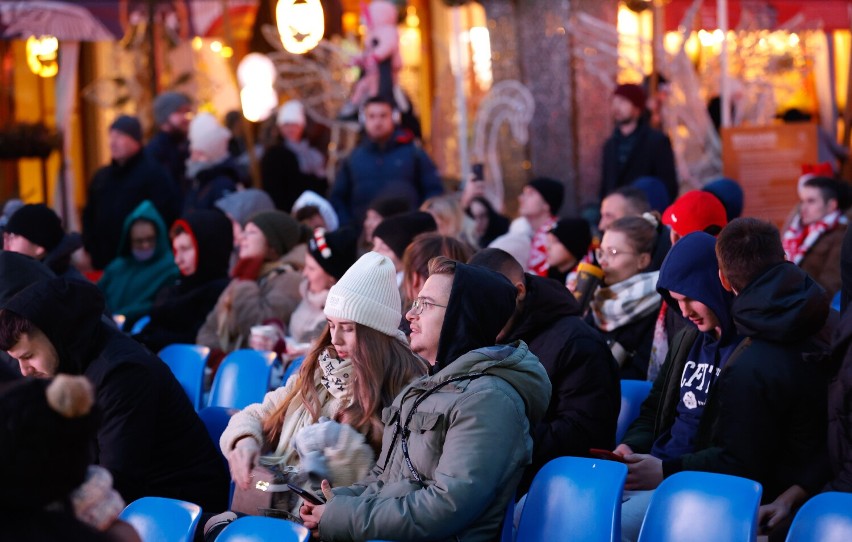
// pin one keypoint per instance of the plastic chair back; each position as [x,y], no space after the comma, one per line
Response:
[702,507]
[827,517]
[187,363]
[633,394]
[263,529]
[242,379]
[140,325]
[292,369]
[574,499]
[159,519]
[507,531]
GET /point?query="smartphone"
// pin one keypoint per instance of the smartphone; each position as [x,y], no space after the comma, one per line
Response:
[606,454]
[478,172]
[307,495]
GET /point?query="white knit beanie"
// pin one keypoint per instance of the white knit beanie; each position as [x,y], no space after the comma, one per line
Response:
[208,136]
[367,294]
[292,112]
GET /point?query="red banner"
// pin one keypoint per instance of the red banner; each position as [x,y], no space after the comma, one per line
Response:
[765,14]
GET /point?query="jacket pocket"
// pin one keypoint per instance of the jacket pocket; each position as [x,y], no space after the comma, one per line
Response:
[389,415]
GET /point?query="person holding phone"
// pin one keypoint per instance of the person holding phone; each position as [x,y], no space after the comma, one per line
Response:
[455,442]
[353,371]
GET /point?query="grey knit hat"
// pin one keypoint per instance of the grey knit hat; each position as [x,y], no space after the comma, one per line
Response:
[281,231]
[367,294]
[167,103]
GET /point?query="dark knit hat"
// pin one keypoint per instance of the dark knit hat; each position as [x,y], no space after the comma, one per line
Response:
[730,193]
[167,103]
[38,224]
[390,206]
[695,211]
[551,190]
[398,231]
[574,234]
[335,250]
[35,415]
[281,230]
[128,126]
[656,192]
[635,94]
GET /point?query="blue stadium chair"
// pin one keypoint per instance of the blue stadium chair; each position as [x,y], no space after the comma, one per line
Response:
[507,531]
[292,368]
[187,363]
[242,379]
[826,517]
[263,529]
[216,420]
[702,507]
[835,302]
[140,324]
[158,519]
[633,393]
[574,499]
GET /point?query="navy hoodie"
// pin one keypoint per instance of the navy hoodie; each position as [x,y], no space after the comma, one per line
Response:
[691,269]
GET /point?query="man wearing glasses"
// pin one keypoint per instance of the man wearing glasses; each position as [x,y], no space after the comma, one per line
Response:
[457,441]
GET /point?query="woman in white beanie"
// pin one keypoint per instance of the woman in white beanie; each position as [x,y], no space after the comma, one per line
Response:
[209,170]
[353,371]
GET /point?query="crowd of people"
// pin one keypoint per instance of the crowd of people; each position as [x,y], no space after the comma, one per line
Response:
[447,352]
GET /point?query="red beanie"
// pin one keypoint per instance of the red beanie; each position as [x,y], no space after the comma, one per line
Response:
[695,211]
[633,93]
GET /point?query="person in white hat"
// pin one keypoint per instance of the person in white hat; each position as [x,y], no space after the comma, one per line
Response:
[212,175]
[353,371]
[294,166]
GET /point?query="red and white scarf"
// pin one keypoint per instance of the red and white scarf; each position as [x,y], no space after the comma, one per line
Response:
[537,262]
[798,239]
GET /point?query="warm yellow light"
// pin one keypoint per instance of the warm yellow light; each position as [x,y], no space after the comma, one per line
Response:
[227,52]
[43,55]
[197,43]
[216,46]
[301,24]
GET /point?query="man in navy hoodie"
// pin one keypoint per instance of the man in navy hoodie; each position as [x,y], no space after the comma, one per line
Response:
[674,429]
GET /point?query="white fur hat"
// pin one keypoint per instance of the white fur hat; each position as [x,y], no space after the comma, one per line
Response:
[292,112]
[367,294]
[208,136]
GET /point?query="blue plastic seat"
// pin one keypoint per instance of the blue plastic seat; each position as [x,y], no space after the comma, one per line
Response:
[827,517]
[702,507]
[835,302]
[187,364]
[574,499]
[292,369]
[140,324]
[633,394]
[263,529]
[216,420]
[158,519]
[242,379]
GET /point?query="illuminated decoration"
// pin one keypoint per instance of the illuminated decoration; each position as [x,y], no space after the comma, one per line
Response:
[301,24]
[43,55]
[256,75]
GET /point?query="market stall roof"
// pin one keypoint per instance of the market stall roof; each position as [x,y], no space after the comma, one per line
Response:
[100,20]
[824,14]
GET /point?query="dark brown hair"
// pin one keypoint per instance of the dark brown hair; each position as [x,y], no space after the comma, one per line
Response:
[746,248]
[441,265]
[383,366]
[424,247]
[12,326]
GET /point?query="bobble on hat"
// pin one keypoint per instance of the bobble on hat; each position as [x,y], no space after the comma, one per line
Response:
[367,294]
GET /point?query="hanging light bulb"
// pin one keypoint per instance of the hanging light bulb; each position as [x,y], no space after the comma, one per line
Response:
[301,24]
[43,55]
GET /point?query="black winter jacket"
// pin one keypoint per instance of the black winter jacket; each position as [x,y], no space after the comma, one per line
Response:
[840,410]
[586,399]
[765,419]
[651,155]
[150,439]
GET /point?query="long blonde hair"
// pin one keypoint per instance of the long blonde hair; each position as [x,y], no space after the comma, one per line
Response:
[383,366]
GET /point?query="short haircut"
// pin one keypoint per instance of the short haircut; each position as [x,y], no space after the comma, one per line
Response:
[636,199]
[426,247]
[500,261]
[12,326]
[441,265]
[306,212]
[830,189]
[378,100]
[746,248]
[640,232]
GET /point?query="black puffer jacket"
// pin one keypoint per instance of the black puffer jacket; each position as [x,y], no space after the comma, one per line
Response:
[840,410]
[586,398]
[150,438]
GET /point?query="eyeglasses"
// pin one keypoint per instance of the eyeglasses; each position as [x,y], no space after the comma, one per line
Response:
[419,304]
[606,253]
